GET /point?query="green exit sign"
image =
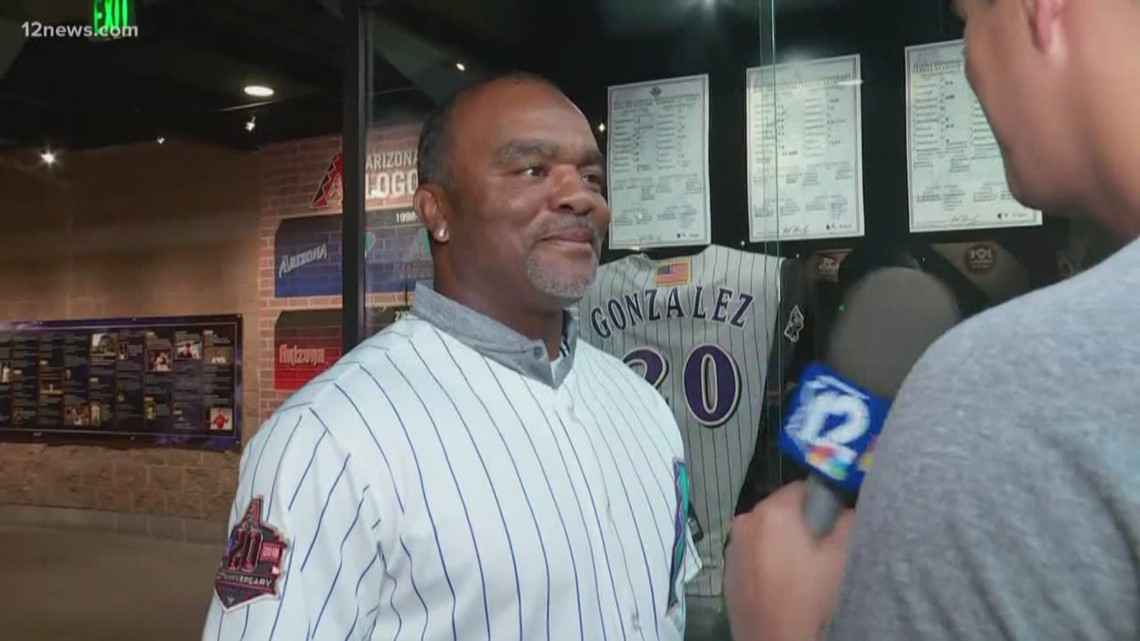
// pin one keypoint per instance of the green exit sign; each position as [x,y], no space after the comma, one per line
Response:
[113,19]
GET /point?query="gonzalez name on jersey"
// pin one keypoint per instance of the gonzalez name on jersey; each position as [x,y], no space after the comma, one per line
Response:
[700,329]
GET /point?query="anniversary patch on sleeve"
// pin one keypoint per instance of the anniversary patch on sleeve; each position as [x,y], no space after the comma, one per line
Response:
[251,564]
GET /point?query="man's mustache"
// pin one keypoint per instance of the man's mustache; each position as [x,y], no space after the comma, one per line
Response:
[574,224]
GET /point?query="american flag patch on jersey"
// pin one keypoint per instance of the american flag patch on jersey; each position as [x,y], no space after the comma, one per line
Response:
[672,272]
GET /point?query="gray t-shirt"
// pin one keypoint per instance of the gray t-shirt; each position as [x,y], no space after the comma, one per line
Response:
[1004,502]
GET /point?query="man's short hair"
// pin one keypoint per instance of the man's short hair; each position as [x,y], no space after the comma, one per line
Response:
[433,163]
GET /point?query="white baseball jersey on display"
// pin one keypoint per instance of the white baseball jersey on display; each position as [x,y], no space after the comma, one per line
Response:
[446,481]
[700,329]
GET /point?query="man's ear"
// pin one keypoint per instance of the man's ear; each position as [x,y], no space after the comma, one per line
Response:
[1044,21]
[431,205]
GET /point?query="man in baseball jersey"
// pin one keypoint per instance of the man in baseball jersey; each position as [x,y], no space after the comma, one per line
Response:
[474,471]
[703,330]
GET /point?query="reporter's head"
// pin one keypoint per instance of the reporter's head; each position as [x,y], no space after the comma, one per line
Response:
[1058,80]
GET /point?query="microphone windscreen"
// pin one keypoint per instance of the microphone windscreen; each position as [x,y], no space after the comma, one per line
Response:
[890,317]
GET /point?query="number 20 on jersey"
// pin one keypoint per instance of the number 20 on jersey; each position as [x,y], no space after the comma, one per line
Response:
[710,380]
[832,426]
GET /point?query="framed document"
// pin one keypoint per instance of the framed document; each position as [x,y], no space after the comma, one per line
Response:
[658,163]
[955,173]
[805,150]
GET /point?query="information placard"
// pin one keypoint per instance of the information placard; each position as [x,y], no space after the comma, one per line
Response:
[658,163]
[166,380]
[955,170]
[805,150]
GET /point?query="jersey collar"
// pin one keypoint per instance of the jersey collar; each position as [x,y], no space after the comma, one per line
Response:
[495,340]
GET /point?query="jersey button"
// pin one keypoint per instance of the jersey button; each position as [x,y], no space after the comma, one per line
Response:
[635,621]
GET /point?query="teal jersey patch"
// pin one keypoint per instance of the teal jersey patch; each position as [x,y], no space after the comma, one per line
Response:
[680,527]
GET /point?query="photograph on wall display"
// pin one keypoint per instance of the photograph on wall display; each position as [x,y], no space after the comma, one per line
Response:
[805,150]
[104,346]
[219,355]
[164,379]
[190,350]
[956,175]
[158,360]
[221,418]
[658,163]
[77,415]
[50,385]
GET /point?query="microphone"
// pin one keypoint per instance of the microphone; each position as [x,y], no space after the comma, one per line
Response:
[890,317]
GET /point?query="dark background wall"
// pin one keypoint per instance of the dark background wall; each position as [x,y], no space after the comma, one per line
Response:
[723,39]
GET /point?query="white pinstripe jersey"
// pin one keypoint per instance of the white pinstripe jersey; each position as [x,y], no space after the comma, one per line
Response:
[454,484]
[704,342]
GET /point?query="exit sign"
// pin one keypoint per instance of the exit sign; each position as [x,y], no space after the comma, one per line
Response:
[113,19]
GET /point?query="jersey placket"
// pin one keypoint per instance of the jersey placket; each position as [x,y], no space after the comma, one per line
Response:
[608,538]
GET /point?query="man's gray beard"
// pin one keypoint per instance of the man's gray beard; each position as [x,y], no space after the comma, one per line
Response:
[569,291]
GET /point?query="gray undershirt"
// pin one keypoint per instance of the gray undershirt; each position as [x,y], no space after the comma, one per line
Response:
[495,340]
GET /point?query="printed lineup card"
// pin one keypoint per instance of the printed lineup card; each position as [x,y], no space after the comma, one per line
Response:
[658,163]
[955,171]
[805,150]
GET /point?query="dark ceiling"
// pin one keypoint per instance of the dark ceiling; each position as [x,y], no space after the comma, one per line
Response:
[182,76]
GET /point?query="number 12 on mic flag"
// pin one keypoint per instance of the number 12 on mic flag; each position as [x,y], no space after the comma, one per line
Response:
[832,426]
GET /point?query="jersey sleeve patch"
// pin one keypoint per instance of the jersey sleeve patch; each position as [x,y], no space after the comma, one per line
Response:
[250,569]
[680,532]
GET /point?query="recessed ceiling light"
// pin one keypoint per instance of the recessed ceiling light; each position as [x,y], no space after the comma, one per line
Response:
[602,126]
[460,66]
[160,140]
[258,91]
[48,157]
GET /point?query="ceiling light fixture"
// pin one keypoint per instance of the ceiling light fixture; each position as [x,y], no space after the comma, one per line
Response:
[160,140]
[460,66]
[48,157]
[258,91]
[251,124]
[602,127]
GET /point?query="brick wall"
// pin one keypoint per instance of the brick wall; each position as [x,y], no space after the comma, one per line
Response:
[158,231]
[292,174]
[136,231]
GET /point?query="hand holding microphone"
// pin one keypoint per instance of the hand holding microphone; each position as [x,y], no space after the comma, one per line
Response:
[891,317]
[785,560]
